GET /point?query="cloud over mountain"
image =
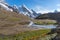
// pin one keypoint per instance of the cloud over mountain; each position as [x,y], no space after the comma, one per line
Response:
[40,9]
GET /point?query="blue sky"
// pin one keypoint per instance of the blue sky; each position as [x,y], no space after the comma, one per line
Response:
[38,5]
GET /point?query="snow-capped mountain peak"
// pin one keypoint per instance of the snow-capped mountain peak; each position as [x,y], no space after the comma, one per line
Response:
[24,6]
[5,6]
[15,7]
[26,11]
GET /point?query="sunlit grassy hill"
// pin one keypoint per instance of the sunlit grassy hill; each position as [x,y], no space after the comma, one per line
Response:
[7,17]
[11,22]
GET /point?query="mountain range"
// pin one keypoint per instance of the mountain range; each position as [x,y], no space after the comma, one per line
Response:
[21,9]
[51,16]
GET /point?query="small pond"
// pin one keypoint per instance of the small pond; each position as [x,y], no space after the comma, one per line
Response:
[44,26]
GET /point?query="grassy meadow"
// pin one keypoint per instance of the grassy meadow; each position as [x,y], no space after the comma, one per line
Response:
[28,35]
[45,22]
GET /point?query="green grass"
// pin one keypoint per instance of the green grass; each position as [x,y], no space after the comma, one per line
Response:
[13,19]
[10,19]
[26,35]
[45,23]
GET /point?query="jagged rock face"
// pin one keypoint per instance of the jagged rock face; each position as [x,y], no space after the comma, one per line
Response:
[23,9]
[57,37]
[35,14]
[15,9]
[31,13]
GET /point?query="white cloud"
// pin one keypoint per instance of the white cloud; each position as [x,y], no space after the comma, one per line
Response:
[40,9]
[58,9]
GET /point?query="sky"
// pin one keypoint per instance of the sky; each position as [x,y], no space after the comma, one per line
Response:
[42,6]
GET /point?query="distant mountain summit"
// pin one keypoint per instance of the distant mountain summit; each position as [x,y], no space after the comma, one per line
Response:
[15,9]
[23,9]
[26,11]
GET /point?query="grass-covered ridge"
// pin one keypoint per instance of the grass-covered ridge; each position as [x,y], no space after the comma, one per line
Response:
[45,22]
[28,35]
[12,23]
[7,17]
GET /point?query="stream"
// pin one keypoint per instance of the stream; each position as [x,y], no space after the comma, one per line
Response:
[42,26]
